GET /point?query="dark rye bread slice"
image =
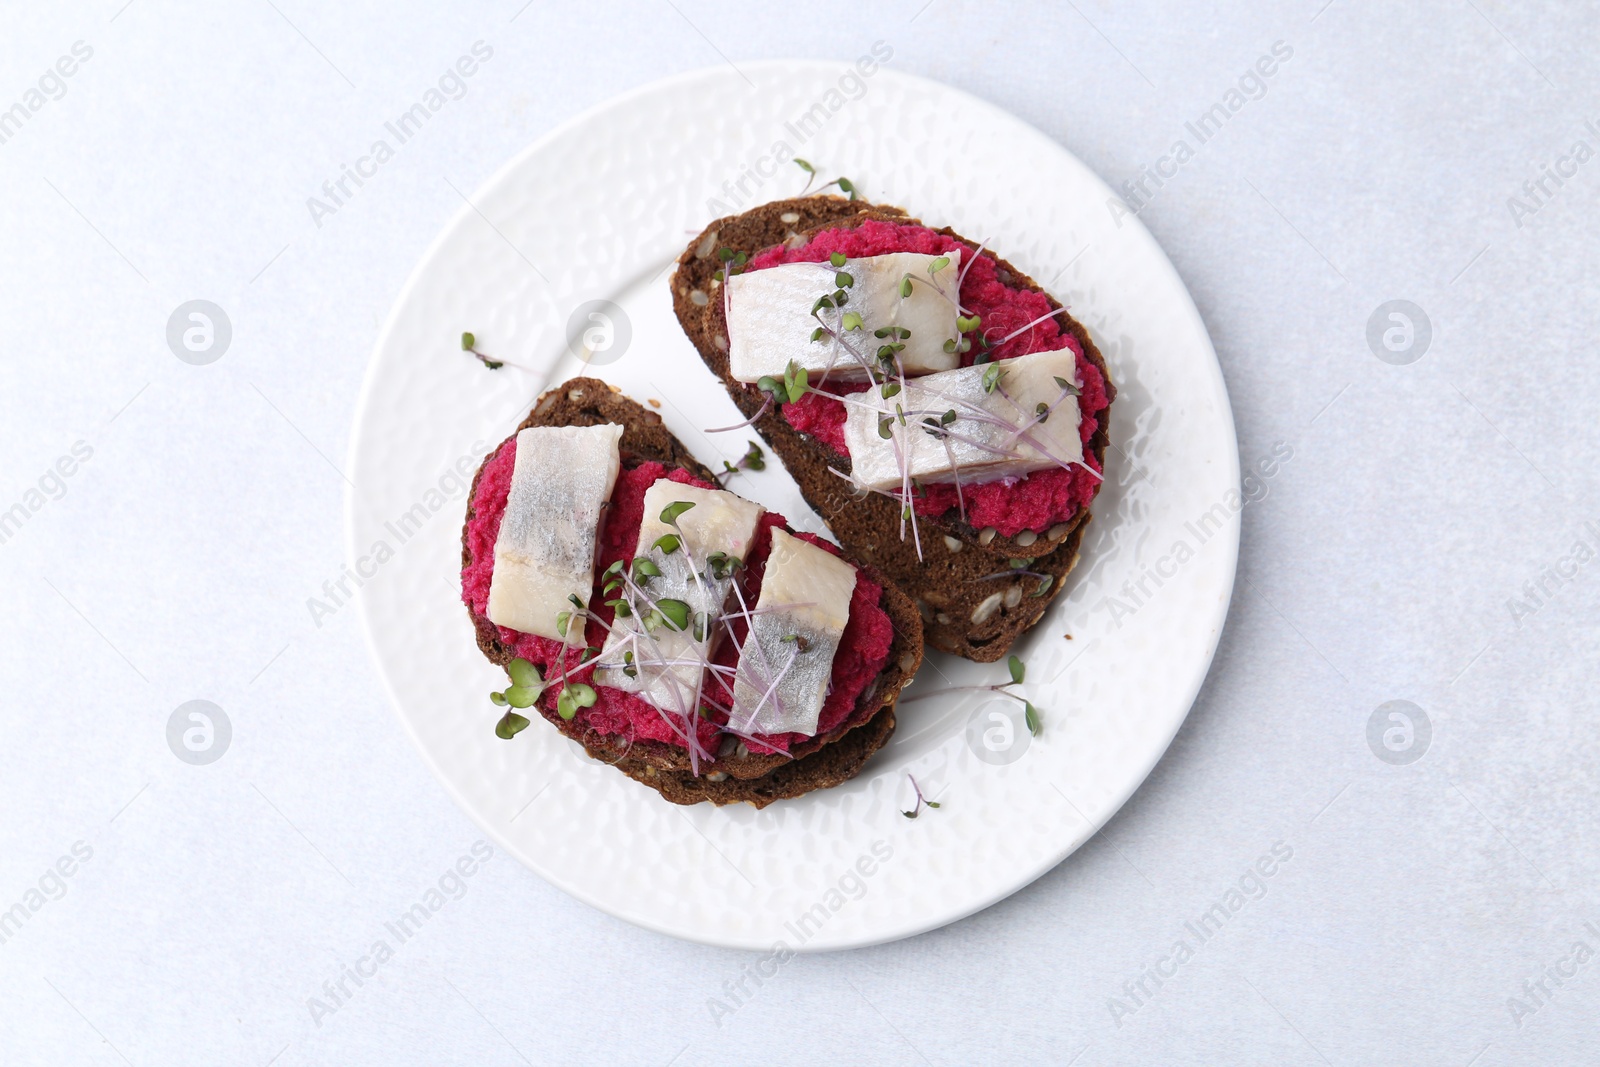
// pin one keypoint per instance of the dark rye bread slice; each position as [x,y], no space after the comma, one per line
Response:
[966,610]
[736,774]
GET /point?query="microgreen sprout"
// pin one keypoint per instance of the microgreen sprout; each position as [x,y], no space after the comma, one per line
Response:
[1018,568]
[844,184]
[991,377]
[510,725]
[753,460]
[732,263]
[851,321]
[574,695]
[564,619]
[916,809]
[670,513]
[1018,671]
[796,380]
[469,343]
[523,692]
[674,612]
[667,544]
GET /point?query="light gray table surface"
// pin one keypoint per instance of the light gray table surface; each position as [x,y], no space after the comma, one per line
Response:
[1433,906]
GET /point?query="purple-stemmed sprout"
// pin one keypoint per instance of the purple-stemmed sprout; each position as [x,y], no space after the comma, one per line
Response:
[1018,671]
[916,808]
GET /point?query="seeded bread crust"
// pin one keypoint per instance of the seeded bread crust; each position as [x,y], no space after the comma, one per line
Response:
[966,611]
[758,779]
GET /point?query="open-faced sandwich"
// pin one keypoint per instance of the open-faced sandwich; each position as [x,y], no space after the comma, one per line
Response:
[676,630]
[941,411]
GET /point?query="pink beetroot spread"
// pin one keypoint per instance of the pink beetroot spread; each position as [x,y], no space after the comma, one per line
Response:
[1034,502]
[862,653]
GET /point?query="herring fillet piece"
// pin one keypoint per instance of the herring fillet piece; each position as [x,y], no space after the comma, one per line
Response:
[770,321]
[983,451]
[545,552]
[668,662]
[780,684]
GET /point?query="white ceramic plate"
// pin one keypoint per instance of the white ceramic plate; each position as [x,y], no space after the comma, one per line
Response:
[598,210]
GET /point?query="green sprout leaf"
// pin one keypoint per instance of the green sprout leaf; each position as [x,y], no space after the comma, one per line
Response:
[843,280]
[574,695]
[851,321]
[938,265]
[562,620]
[566,707]
[1044,585]
[524,673]
[670,513]
[885,427]
[1030,715]
[644,568]
[991,377]
[667,544]
[818,334]
[845,186]
[1067,387]
[796,380]
[722,566]
[967,325]
[891,389]
[498,699]
[676,612]
[803,165]
[510,725]
[837,259]
[948,417]
[1017,669]
[1042,410]
[468,342]
[520,697]
[905,286]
